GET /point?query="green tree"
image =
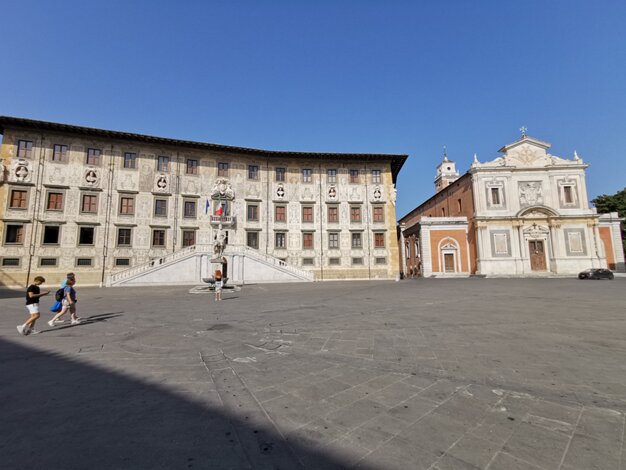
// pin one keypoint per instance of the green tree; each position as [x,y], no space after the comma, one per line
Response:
[613,203]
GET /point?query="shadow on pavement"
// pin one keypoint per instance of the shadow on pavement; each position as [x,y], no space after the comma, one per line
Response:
[84,321]
[64,414]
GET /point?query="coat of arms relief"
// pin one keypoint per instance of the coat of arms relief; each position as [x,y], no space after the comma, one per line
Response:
[222,189]
[530,193]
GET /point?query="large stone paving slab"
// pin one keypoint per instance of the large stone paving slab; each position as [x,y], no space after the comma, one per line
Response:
[429,374]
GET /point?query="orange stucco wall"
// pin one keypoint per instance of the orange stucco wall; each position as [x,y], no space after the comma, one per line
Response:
[436,236]
[605,236]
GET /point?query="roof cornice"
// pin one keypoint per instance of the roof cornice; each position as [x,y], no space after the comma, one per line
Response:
[397,160]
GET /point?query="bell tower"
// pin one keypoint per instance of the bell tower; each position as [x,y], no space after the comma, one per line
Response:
[446,173]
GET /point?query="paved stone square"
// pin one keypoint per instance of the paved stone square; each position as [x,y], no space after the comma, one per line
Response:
[457,374]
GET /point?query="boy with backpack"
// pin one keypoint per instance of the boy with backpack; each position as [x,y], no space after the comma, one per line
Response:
[68,302]
[33,293]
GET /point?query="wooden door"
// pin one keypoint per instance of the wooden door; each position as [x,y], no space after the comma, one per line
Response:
[448,261]
[537,255]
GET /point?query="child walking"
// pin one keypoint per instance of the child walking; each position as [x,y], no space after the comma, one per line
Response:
[33,293]
[68,302]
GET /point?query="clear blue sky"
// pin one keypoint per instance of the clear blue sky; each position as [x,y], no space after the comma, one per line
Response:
[344,76]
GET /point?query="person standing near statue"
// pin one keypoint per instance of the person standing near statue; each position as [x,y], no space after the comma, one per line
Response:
[218,285]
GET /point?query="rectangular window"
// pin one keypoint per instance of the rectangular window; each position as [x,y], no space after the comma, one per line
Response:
[331,176]
[280,174]
[357,261]
[55,202]
[357,241]
[163,164]
[192,167]
[354,176]
[333,241]
[443,212]
[160,207]
[355,214]
[307,240]
[459,206]
[495,196]
[280,240]
[47,262]
[307,214]
[280,214]
[379,240]
[333,214]
[124,237]
[252,239]
[307,175]
[24,149]
[380,260]
[130,160]
[51,234]
[158,237]
[127,205]
[189,238]
[222,169]
[93,156]
[122,261]
[334,261]
[89,203]
[12,262]
[59,153]
[378,214]
[253,172]
[190,209]
[14,234]
[84,261]
[375,176]
[86,235]
[308,261]
[18,199]
[568,195]
[253,212]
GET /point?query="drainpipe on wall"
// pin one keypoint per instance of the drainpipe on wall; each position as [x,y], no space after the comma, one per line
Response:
[107,220]
[176,194]
[367,227]
[267,204]
[36,210]
[321,224]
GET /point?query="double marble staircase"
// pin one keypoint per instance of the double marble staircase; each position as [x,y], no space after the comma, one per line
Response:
[192,264]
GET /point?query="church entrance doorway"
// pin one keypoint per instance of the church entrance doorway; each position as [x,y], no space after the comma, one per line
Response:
[537,255]
[448,261]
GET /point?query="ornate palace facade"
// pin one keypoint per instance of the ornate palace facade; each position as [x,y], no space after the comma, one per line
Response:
[101,203]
